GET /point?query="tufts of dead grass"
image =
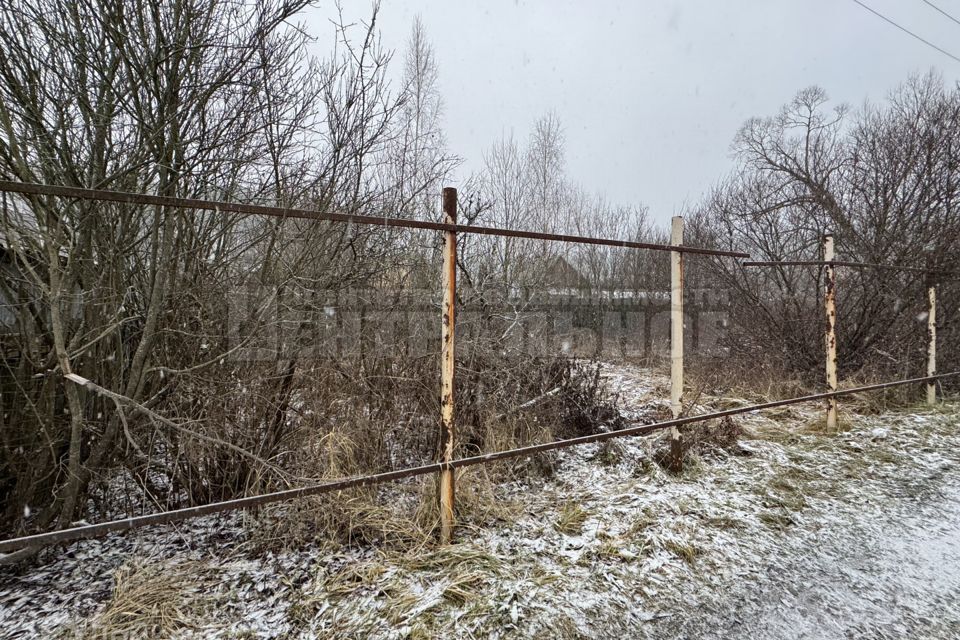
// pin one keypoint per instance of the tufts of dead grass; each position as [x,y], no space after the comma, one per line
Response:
[571,517]
[570,398]
[714,438]
[151,601]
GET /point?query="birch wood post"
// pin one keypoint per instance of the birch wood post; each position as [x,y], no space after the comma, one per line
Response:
[830,337]
[447,365]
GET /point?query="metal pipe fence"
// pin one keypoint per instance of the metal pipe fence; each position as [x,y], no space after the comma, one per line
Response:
[448,463]
[179,515]
[830,309]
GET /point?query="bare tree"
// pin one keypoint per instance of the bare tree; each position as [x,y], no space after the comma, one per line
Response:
[192,98]
[882,180]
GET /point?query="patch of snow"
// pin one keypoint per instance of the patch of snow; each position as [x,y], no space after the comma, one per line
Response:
[799,538]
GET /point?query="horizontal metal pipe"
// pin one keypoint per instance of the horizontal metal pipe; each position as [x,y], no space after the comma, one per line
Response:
[841,263]
[179,515]
[307,214]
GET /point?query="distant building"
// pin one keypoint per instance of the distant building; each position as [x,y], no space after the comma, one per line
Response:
[562,278]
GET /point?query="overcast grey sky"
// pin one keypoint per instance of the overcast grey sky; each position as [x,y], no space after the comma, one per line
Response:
[651,93]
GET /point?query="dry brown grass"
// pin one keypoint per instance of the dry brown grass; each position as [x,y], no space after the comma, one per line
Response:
[741,377]
[715,437]
[151,601]
[571,518]
[496,414]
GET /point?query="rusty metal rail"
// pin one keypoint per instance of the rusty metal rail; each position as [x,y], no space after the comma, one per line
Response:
[843,263]
[179,515]
[307,214]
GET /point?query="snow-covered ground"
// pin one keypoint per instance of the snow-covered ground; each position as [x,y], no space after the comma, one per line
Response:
[796,534]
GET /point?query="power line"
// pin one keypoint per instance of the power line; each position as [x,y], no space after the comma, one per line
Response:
[941,11]
[907,31]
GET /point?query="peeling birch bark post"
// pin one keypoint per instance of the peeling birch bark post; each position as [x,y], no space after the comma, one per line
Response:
[676,339]
[932,346]
[830,307]
[447,362]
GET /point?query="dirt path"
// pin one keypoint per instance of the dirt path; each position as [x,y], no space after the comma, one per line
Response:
[890,577]
[893,577]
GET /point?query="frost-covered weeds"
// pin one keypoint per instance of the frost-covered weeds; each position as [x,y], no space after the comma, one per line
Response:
[611,544]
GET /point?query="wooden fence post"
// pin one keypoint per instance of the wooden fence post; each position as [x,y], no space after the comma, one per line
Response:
[676,340]
[447,364]
[830,307]
[932,345]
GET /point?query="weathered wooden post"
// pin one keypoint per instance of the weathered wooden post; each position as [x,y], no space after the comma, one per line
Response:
[932,344]
[830,307]
[676,339]
[447,364]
